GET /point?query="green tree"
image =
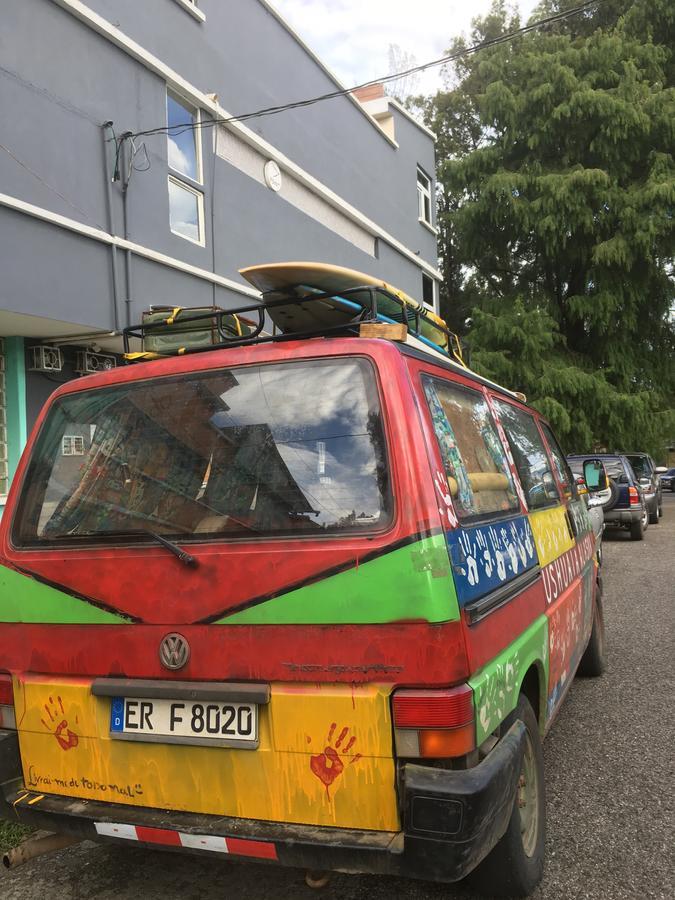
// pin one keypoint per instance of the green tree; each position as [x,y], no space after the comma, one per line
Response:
[556,214]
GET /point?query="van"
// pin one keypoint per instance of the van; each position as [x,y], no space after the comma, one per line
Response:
[310,602]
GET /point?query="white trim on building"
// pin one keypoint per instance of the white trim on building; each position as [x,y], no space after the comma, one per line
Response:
[179,84]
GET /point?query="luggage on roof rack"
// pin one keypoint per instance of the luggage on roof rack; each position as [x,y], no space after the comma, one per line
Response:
[300,300]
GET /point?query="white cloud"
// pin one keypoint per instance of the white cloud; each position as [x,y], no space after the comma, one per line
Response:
[352,37]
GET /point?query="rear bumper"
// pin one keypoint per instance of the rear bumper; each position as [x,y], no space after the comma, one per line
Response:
[623,516]
[452,819]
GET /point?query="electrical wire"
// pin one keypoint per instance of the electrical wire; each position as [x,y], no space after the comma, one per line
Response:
[299,104]
[42,181]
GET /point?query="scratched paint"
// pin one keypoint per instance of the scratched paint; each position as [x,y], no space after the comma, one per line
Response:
[570,619]
[497,685]
[284,780]
[559,574]
[413,582]
[486,557]
[23,599]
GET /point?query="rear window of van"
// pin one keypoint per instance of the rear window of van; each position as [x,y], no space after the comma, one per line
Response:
[279,449]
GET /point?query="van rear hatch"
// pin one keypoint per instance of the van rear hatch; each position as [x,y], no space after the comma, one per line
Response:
[221,594]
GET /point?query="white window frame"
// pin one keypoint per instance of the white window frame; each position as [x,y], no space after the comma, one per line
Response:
[424,193]
[197,113]
[180,179]
[201,242]
[72,442]
[191,7]
[434,292]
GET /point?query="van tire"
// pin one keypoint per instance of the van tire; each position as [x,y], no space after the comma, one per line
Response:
[655,514]
[592,663]
[509,870]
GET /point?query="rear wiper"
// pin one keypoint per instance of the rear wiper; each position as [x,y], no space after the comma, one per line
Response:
[186,558]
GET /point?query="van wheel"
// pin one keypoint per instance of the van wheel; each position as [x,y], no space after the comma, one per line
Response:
[592,662]
[637,529]
[515,866]
[656,515]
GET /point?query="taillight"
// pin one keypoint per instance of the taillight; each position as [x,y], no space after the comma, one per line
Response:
[434,724]
[633,496]
[7,717]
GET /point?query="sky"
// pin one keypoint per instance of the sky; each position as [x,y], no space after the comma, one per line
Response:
[352,37]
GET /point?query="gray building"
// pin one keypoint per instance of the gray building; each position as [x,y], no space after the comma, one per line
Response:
[96,226]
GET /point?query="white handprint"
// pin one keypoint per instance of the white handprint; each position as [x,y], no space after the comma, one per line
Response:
[501,566]
[470,556]
[528,542]
[488,564]
[513,556]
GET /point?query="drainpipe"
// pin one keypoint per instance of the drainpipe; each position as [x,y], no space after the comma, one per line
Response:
[108,135]
[127,160]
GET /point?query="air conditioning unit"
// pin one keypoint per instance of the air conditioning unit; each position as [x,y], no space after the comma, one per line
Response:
[88,362]
[45,359]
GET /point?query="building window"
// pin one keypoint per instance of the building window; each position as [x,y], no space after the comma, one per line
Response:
[72,445]
[184,151]
[186,211]
[428,290]
[424,197]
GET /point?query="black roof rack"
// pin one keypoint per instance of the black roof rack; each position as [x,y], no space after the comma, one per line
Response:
[226,324]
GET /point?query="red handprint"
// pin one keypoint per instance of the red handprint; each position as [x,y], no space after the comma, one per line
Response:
[59,725]
[328,766]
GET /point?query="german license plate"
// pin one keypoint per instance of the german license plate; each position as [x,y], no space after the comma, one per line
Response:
[220,724]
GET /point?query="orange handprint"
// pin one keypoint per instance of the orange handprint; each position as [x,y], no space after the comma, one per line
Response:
[328,766]
[59,725]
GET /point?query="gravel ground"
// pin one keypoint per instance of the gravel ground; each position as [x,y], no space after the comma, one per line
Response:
[609,771]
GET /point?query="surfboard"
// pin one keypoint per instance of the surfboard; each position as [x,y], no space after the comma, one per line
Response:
[307,279]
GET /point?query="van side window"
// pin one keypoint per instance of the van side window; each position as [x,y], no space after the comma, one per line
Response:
[529,455]
[475,462]
[561,466]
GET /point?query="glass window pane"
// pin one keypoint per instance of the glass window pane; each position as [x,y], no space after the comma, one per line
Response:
[283,449]
[561,466]
[184,211]
[182,138]
[474,459]
[529,455]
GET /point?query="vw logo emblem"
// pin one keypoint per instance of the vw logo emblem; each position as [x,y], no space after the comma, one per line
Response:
[174,651]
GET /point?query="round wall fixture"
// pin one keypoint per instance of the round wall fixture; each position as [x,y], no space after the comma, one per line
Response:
[272,174]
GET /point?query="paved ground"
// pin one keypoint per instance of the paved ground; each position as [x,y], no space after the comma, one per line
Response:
[609,770]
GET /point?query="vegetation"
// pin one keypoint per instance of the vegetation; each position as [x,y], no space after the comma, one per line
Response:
[557,215]
[11,834]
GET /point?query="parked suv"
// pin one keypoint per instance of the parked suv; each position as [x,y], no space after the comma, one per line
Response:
[645,469]
[623,501]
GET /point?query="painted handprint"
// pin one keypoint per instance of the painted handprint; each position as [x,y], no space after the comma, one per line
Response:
[470,556]
[328,766]
[58,725]
[488,563]
[517,539]
[499,556]
[513,555]
[442,488]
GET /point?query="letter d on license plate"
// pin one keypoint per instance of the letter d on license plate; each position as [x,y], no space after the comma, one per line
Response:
[212,724]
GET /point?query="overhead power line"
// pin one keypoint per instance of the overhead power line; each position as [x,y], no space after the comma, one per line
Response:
[310,101]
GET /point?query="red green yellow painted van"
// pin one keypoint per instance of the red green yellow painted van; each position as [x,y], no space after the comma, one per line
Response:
[314,603]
